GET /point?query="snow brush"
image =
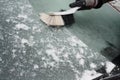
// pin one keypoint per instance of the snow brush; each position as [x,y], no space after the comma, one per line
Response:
[58,19]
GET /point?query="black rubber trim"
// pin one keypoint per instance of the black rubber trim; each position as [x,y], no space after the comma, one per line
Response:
[117,60]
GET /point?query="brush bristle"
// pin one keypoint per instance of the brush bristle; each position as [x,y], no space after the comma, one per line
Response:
[52,20]
[57,20]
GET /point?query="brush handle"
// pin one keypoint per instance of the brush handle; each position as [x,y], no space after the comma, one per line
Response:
[67,12]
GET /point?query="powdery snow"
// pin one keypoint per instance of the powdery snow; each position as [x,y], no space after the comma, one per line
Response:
[22,16]
[0,59]
[89,75]
[52,52]
[93,65]
[109,66]
[24,41]
[74,41]
[21,26]
[36,66]
[82,61]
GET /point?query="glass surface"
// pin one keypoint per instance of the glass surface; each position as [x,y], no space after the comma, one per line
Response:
[94,27]
[30,50]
